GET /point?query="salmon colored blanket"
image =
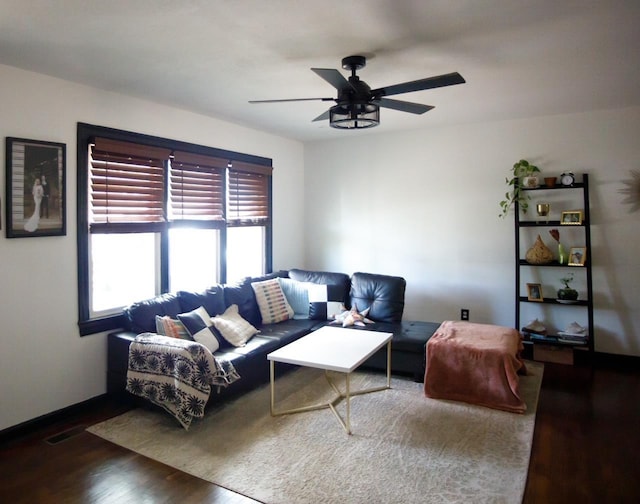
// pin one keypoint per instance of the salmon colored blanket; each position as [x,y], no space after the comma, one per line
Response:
[475,363]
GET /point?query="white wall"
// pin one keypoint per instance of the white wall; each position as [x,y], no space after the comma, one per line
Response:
[424,205]
[44,364]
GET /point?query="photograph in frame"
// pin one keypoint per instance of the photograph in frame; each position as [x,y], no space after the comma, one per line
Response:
[534,292]
[577,256]
[571,218]
[35,188]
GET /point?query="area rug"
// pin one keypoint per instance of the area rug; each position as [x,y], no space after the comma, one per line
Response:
[405,448]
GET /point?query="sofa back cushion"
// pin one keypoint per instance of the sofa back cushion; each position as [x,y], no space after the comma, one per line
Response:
[141,315]
[212,299]
[382,294]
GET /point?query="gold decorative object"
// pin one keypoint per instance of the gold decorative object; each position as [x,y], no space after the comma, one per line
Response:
[539,253]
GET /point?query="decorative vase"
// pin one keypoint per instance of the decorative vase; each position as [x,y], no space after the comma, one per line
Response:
[539,253]
[563,256]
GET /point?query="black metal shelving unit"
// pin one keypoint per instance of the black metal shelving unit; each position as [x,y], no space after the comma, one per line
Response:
[520,263]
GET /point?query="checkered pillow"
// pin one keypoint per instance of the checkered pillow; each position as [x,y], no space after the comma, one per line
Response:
[325,301]
[198,323]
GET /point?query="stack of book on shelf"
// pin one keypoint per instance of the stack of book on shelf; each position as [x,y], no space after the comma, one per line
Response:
[545,338]
[575,334]
[573,339]
[535,330]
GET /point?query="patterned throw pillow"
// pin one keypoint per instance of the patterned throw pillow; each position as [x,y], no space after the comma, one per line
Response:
[273,304]
[233,327]
[166,326]
[325,301]
[297,294]
[198,323]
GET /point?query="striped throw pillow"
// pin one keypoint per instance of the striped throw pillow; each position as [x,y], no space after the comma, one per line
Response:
[166,326]
[273,304]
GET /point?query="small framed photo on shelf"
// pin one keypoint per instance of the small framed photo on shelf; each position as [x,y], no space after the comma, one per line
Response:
[534,292]
[577,256]
[571,218]
[35,188]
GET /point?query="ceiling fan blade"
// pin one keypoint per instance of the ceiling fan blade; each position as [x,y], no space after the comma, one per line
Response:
[333,77]
[404,106]
[322,117]
[421,84]
[291,99]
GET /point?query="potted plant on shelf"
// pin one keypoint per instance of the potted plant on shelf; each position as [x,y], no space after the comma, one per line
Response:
[567,293]
[523,176]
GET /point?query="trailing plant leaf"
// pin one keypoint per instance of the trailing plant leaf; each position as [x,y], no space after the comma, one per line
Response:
[521,169]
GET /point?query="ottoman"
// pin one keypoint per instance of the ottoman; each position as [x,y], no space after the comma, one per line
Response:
[475,363]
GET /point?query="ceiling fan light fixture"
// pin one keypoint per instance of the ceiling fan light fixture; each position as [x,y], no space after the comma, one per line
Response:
[354,116]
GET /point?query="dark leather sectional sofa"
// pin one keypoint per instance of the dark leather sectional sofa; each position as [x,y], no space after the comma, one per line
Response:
[382,294]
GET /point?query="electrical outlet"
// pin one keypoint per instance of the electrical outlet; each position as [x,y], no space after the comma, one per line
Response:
[464,314]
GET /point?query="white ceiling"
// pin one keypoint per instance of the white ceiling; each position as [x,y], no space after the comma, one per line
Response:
[521,58]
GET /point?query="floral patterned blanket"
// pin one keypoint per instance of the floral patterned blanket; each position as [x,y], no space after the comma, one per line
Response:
[176,374]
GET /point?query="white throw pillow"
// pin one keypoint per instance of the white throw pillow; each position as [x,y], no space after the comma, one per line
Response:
[233,327]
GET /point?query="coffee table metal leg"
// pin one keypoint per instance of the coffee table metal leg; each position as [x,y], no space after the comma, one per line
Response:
[272,387]
[348,405]
[389,364]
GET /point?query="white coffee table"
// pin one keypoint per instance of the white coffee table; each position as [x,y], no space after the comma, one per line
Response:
[332,349]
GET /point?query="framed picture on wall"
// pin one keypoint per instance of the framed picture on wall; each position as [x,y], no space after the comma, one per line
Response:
[35,188]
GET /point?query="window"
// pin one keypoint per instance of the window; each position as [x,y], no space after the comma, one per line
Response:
[121,271]
[245,252]
[156,215]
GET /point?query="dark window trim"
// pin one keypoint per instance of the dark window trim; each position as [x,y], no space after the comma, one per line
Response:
[85,133]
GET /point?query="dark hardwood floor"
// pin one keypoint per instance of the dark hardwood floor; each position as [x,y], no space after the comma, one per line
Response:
[586,449]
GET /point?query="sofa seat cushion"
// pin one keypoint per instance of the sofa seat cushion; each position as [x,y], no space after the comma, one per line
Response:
[410,337]
[228,354]
[290,330]
[257,347]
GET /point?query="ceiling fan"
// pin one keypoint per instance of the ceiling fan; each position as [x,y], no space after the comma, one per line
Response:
[358,106]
